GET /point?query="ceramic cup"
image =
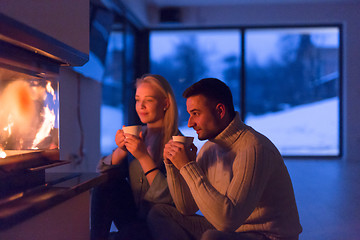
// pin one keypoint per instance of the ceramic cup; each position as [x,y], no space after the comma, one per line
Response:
[134,129]
[183,139]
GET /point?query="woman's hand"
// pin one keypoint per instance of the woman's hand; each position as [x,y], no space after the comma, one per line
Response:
[120,153]
[120,139]
[136,146]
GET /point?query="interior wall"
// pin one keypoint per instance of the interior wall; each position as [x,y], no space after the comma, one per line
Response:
[65,20]
[347,14]
[68,22]
[79,134]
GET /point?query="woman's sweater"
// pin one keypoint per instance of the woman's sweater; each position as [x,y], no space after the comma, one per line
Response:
[145,195]
[240,183]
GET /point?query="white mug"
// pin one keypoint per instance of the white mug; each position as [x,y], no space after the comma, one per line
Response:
[134,130]
[183,139]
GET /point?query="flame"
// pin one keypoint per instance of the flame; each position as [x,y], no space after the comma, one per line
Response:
[2,153]
[50,90]
[10,125]
[49,119]
[48,124]
[20,102]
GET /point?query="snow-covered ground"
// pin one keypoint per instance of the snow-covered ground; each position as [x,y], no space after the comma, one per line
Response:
[311,129]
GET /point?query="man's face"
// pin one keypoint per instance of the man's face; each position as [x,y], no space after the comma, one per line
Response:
[203,117]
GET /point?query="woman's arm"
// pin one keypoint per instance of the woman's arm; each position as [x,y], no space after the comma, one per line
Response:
[118,156]
[136,146]
[111,161]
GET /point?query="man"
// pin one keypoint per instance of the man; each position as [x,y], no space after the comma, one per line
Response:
[239,180]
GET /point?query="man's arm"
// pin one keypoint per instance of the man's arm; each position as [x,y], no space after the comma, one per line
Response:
[176,156]
[228,211]
[180,191]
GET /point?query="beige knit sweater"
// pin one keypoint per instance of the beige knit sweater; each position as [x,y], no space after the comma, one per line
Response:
[240,183]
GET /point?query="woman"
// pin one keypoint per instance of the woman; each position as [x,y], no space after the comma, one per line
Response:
[137,180]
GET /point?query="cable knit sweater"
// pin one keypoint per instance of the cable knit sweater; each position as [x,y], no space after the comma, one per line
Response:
[240,183]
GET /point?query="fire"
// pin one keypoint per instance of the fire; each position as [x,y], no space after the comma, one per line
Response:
[27,116]
[49,119]
[2,153]
[10,125]
[48,124]
[50,90]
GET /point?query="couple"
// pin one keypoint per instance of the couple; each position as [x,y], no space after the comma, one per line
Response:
[238,180]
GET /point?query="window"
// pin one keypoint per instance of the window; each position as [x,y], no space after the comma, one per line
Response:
[111,63]
[291,79]
[292,88]
[185,56]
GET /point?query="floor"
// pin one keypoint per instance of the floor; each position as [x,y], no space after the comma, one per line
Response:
[328,198]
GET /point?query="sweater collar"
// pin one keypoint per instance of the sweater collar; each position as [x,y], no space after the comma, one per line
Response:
[231,133]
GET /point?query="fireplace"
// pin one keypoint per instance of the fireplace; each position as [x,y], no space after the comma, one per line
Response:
[29,104]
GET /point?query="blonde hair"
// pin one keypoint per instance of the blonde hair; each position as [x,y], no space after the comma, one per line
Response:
[170,126]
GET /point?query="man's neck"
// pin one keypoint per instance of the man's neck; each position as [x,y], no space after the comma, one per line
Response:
[225,122]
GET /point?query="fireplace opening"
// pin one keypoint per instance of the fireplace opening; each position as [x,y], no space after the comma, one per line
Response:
[29,118]
[29,105]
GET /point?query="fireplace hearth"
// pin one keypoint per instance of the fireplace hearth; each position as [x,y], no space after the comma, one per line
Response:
[29,105]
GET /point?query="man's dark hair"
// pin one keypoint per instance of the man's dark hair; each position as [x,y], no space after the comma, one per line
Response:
[213,89]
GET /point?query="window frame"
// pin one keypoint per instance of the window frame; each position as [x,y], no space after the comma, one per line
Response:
[242,77]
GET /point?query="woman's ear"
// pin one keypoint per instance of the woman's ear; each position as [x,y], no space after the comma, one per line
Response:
[166,104]
[220,110]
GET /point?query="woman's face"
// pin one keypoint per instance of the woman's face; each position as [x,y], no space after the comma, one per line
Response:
[150,104]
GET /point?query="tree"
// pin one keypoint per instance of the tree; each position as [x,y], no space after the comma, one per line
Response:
[182,68]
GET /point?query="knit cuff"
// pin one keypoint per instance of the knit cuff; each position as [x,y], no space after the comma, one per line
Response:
[191,171]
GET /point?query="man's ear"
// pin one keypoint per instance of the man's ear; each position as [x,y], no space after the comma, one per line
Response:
[221,110]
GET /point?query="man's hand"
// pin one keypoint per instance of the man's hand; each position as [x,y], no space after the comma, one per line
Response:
[179,154]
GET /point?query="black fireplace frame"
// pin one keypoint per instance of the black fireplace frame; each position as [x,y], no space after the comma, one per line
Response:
[36,44]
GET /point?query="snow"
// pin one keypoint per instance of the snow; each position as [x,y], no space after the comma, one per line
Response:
[311,129]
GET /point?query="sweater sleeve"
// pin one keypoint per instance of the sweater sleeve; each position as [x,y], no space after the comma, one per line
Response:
[105,164]
[158,191]
[227,212]
[180,191]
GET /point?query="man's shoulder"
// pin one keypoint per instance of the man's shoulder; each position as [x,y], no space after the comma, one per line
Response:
[207,147]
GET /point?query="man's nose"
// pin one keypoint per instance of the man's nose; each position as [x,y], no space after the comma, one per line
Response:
[190,122]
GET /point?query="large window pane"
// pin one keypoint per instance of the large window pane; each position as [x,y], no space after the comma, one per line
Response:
[112,102]
[292,88]
[185,56]
[111,63]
